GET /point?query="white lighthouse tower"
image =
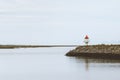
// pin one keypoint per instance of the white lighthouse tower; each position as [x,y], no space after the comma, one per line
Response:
[86,40]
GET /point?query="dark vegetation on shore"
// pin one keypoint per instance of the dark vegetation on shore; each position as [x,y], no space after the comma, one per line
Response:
[97,51]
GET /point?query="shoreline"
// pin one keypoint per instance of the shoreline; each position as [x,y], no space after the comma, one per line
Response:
[32,46]
[96,51]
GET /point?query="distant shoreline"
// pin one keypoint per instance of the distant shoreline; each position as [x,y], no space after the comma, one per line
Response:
[33,46]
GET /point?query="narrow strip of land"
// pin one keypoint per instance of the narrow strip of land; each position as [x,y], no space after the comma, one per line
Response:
[33,46]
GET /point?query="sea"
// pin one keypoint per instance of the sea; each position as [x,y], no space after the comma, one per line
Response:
[52,64]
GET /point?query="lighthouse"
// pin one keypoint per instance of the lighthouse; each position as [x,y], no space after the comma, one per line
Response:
[86,40]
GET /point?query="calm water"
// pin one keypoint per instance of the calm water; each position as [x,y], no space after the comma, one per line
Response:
[51,64]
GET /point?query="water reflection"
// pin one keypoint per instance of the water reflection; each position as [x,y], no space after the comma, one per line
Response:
[94,60]
[98,63]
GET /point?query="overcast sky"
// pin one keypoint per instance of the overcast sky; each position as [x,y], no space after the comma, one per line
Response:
[59,21]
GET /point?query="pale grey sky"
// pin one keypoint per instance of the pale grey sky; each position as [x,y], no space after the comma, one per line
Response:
[59,21]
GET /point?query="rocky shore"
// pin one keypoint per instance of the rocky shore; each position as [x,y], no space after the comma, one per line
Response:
[96,51]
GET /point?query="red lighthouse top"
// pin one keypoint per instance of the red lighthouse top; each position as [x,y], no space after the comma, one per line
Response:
[86,37]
